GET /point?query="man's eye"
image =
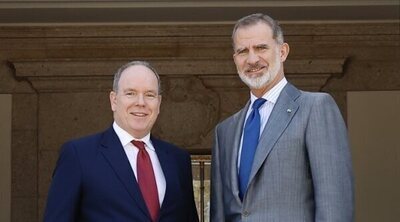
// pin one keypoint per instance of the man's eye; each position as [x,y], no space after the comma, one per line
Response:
[262,48]
[241,52]
[129,93]
[151,95]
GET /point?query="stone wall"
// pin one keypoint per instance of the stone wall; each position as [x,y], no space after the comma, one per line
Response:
[60,78]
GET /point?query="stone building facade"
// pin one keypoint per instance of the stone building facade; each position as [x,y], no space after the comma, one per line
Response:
[60,76]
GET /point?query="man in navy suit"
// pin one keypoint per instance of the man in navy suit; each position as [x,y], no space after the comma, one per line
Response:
[124,174]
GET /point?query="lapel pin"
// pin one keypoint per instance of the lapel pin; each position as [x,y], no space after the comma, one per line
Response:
[288,110]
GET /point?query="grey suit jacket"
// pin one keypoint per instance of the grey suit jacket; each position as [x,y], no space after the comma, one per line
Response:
[302,168]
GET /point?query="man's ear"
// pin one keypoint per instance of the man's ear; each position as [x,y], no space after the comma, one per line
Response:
[284,51]
[113,100]
[158,109]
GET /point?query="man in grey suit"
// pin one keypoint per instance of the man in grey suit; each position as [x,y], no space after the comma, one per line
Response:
[285,156]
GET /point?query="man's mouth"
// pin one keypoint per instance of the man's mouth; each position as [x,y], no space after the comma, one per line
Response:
[138,114]
[255,69]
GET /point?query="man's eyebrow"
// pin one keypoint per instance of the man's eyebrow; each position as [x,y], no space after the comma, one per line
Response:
[262,45]
[128,89]
[151,90]
[240,49]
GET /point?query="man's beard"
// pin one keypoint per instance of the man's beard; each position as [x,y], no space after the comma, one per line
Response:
[265,78]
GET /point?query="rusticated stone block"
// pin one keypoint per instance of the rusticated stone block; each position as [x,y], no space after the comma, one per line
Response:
[24,111]
[189,111]
[233,101]
[41,207]
[24,209]
[24,163]
[64,116]
[47,163]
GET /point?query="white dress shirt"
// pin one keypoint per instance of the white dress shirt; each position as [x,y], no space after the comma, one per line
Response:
[132,152]
[265,110]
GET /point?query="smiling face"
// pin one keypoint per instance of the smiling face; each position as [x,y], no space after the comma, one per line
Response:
[136,104]
[258,57]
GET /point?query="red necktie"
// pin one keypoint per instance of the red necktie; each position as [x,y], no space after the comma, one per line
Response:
[147,180]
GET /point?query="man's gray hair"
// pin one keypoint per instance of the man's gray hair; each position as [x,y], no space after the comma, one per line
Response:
[118,74]
[253,19]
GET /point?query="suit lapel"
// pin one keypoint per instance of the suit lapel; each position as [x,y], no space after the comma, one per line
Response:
[281,115]
[113,151]
[235,131]
[168,165]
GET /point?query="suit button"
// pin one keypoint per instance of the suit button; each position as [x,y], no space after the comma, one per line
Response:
[246,213]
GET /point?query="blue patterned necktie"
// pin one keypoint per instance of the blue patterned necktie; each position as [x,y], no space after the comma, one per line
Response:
[250,141]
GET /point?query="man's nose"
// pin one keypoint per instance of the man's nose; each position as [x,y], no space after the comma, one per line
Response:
[252,57]
[140,100]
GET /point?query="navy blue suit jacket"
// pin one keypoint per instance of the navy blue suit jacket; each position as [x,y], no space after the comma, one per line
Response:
[94,182]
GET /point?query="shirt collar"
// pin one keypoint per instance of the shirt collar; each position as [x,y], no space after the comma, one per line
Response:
[126,138]
[273,94]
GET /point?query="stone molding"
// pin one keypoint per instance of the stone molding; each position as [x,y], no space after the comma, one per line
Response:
[85,75]
[189,30]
